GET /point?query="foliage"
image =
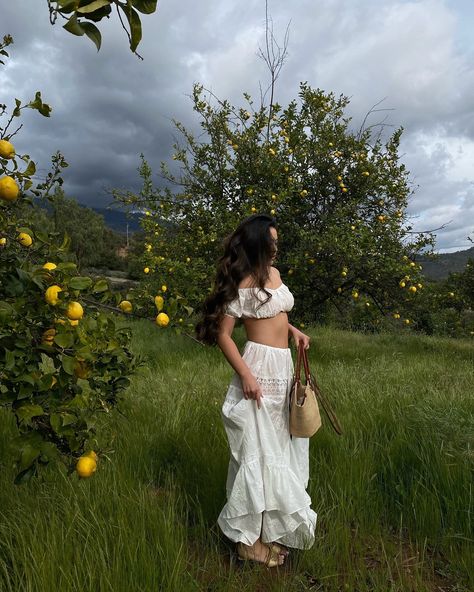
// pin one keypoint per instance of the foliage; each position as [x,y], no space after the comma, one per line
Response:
[93,244]
[339,199]
[80,13]
[58,370]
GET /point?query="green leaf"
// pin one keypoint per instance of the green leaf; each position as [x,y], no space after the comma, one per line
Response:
[93,33]
[145,6]
[26,412]
[25,475]
[95,5]
[30,169]
[80,283]
[6,312]
[74,26]
[47,364]
[16,110]
[68,364]
[38,104]
[100,286]
[135,25]
[64,340]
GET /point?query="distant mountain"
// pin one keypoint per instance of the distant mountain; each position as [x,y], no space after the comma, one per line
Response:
[118,220]
[445,263]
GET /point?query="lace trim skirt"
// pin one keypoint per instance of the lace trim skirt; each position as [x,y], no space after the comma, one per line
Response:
[268,471]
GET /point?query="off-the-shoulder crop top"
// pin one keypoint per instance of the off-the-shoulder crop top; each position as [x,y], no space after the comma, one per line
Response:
[247,304]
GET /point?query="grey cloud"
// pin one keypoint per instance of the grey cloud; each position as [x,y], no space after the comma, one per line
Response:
[109,106]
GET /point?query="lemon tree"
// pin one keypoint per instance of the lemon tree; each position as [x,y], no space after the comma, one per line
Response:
[339,197]
[63,360]
[82,14]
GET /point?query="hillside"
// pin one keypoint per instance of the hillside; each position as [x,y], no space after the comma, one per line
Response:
[445,263]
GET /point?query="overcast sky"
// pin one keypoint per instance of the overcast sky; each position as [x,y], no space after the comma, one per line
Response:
[109,106]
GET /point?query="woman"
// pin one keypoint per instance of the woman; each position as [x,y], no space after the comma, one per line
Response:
[268,508]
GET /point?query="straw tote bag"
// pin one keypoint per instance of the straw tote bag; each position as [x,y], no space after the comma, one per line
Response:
[305,419]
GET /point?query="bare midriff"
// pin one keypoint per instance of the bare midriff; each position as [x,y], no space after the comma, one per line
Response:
[271,331]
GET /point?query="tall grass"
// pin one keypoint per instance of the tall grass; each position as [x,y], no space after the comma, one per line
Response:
[394,494]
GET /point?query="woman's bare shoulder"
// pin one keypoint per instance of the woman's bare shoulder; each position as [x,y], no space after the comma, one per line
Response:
[275,272]
[247,282]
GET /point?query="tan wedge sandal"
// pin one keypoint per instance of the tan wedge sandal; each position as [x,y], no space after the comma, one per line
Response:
[272,558]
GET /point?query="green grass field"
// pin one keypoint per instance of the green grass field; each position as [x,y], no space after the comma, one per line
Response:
[394,494]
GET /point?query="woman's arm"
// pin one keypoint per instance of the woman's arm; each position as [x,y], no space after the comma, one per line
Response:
[298,336]
[250,386]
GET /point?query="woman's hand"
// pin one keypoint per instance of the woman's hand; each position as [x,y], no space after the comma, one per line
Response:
[251,388]
[299,336]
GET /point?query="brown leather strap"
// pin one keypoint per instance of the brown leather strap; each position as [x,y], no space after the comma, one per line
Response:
[298,366]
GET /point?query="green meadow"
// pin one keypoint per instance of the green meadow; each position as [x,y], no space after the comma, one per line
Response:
[394,494]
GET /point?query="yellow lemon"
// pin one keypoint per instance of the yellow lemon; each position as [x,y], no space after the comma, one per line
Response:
[125,306]
[49,266]
[272,212]
[24,239]
[407,321]
[402,284]
[162,319]
[344,273]
[3,241]
[304,193]
[146,270]
[451,294]
[344,190]
[51,295]
[86,466]
[159,301]
[355,295]
[74,311]
[412,264]
[9,189]
[412,288]
[339,290]
[366,173]
[7,149]
[163,288]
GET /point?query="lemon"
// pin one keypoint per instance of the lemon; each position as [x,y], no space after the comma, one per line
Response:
[9,189]
[51,295]
[163,288]
[49,266]
[304,193]
[92,454]
[159,301]
[162,319]
[86,466]
[3,241]
[74,311]
[24,239]
[7,149]
[125,306]
[146,270]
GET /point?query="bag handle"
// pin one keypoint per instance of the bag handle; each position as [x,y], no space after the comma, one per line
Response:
[302,356]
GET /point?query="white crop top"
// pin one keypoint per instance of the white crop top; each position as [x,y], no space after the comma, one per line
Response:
[247,304]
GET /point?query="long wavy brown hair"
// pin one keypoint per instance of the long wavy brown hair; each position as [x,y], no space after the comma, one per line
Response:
[248,251]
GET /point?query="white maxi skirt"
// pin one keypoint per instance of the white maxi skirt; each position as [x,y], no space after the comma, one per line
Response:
[268,471]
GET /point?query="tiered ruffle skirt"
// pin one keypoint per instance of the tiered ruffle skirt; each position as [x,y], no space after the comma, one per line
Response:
[268,471]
